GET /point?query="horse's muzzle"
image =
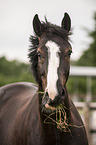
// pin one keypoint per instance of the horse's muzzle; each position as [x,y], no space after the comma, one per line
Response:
[46,101]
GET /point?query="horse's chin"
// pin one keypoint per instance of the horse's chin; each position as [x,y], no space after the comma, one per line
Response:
[47,109]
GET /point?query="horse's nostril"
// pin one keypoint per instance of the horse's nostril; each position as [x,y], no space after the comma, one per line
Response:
[62,92]
[46,94]
[45,99]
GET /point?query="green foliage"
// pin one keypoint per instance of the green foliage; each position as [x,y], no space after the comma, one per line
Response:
[89,56]
[78,84]
[14,71]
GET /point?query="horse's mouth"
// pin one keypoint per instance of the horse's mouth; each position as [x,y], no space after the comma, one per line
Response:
[49,105]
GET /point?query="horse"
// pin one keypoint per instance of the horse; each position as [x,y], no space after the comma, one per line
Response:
[43,114]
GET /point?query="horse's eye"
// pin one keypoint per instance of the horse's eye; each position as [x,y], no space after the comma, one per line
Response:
[69,53]
[39,54]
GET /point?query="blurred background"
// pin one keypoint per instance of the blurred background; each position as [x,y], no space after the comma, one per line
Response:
[15,29]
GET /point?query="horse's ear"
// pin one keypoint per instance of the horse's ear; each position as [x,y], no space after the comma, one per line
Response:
[37,26]
[66,22]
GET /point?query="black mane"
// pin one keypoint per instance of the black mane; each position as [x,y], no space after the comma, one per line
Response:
[33,55]
[49,29]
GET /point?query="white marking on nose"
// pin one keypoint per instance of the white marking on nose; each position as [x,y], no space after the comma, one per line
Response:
[53,64]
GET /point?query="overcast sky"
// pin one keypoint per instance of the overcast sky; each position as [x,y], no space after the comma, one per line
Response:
[16,23]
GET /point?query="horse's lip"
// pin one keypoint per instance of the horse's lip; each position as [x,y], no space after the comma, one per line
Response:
[49,107]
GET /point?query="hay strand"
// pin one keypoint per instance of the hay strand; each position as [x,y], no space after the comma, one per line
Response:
[60,120]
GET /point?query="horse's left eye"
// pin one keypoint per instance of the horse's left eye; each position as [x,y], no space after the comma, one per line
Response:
[69,52]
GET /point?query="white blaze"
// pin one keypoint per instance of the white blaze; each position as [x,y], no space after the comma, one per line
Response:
[53,64]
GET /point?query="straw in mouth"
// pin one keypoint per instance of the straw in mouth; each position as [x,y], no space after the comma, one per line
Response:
[60,120]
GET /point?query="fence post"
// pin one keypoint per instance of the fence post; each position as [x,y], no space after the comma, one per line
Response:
[87,107]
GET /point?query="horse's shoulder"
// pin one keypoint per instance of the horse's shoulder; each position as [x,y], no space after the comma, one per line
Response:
[17,89]
[17,104]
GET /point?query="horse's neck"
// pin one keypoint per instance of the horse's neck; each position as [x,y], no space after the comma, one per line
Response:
[72,113]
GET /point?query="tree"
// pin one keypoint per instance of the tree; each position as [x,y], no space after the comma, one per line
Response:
[89,56]
[14,71]
[87,59]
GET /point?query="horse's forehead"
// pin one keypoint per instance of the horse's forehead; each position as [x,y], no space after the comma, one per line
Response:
[53,50]
[52,46]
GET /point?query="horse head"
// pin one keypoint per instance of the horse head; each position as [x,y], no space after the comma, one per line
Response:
[50,57]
